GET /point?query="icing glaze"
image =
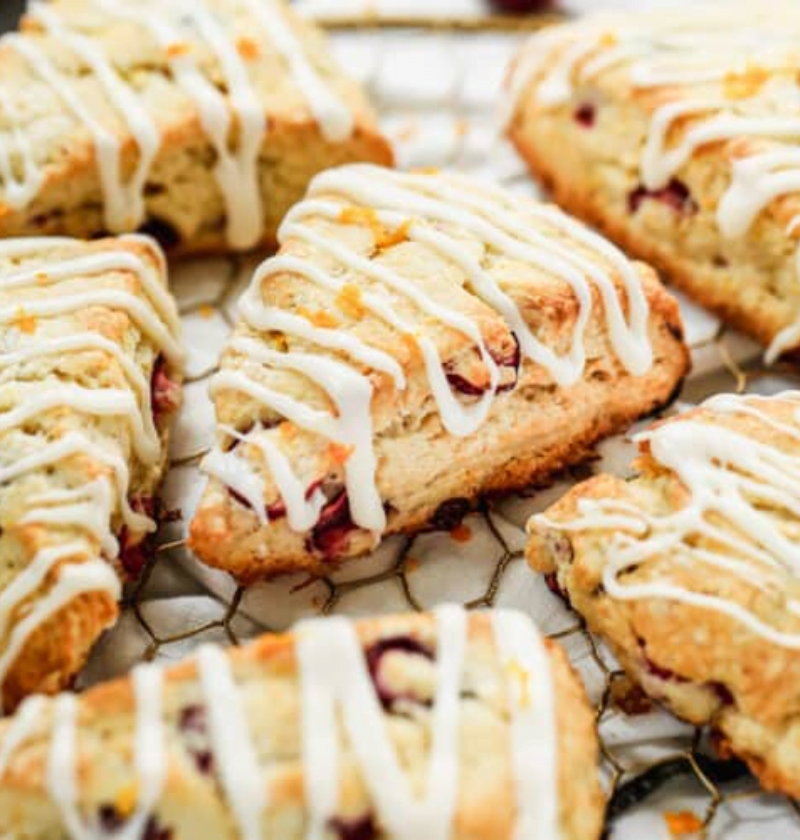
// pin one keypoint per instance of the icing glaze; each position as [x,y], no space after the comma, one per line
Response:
[737,64]
[236,112]
[57,574]
[437,211]
[335,686]
[730,476]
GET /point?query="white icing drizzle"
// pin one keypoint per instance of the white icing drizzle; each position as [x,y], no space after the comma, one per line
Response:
[20,729]
[334,684]
[729,476]
[57,574]
[334,117]
[697,49]
[533,721]
[172,23]
[240,774]
[150,758]
[123,202]
[424,207]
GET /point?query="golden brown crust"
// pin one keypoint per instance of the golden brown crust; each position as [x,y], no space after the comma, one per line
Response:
[267,674]
[707,666]
[534,427]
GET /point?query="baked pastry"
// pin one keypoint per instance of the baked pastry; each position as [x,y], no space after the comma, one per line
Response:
[419,340]
[450,725]
[90,371]
[676,133]
[199,121]
[690,570]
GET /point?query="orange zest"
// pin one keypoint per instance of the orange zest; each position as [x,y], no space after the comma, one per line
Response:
[681,823]
[745,84]
[318,317]
[24,322]
[349,301]
[287,430]
[206,310]
[177,49]
[248,48]
[367,217]
[461,533]
[339,452]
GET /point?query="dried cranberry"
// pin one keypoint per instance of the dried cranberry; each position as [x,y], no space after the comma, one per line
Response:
[164,393]
[723,693]
[675,195]
[110,820]
[163,232]
[553,585]
[193,719]
[375,654]
[463,385]
[585,115]
[153,830]
[450,513]
[333,527]
[132,555]
[361,828]
[521,7]
[193,724]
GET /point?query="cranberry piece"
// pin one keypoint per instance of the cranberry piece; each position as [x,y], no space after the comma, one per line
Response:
[193,724]
[675,195]
[163,232]
[723,693]
[450,513]
[463,385]
[335,524]
[110,820]
[361,828]
[585,114]
[521,7]
[375,654]
[153,830]
[132,556]
[193,719]
[164,393]
[552,584]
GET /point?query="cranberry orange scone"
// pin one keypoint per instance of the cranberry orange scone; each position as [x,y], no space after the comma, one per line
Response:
[445,725]
[420,338]
[200,121]
[89,376]
[676,133]
[691,570]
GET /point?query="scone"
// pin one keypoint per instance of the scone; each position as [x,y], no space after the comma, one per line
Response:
[690,569]
[676,133]
[198,121]
[419,340]
[445,725]
[90,371]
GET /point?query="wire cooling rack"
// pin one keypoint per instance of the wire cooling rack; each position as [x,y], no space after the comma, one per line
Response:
[436,87]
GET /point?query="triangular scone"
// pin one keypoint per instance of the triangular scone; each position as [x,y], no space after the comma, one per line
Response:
[676,133]
[199,121]
[420,339]
[691,571]
[90,366]
[446,725]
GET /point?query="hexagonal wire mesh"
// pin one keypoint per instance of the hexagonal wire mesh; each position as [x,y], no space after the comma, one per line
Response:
[436,92]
